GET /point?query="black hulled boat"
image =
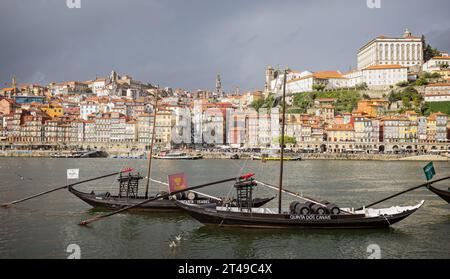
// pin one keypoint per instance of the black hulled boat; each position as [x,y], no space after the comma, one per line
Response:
[128,196]
[445,195]
[300,215]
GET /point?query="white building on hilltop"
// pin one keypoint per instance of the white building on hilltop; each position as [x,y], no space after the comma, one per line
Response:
[329,79]
[274,79]
[406,51]
[383,76]
[436,64]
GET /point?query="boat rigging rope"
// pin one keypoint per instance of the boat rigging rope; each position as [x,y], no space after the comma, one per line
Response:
[386,219]
[241,170]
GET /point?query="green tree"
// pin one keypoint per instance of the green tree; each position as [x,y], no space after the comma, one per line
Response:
[268,102]
[392,97]
[425,109]
[421,82]
[287,140]
[406,102]
[426,75]
[362,86]
[319,87]
[402,84]
[435,75]
[417,102]
[304,101]
[257,104]
[428,51]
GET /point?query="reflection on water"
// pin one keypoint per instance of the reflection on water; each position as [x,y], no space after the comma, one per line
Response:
[44,227]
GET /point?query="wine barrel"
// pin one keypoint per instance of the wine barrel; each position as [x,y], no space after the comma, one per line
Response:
[301,209]
[178,196]
[191,196]
[292,206]
[333,209]
[318,209]
[309,204]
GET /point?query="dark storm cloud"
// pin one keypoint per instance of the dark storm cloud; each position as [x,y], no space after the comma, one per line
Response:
[185,43]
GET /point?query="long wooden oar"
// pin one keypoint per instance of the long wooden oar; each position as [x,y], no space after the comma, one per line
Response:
[406,191]
[64,187]
[97,218]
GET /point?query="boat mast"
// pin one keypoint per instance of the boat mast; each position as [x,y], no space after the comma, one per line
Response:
[283,119]
[152,143]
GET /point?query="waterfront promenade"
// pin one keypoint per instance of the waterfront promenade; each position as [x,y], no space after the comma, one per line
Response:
[248,156]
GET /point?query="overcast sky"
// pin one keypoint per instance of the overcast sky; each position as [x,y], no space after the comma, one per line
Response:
[185,43]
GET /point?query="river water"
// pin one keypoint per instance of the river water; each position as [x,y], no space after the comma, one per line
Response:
[46,226]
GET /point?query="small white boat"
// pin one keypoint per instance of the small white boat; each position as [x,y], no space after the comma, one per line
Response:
[176,155]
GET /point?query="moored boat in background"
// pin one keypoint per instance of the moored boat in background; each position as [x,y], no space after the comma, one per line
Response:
[177,155]
[445,195]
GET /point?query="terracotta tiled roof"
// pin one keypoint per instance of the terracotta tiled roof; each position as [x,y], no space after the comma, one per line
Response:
[328,74]
[441,57]
[438,85]
[381,67]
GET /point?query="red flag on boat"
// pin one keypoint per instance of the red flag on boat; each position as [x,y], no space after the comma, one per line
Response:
[127,170]
[177,182]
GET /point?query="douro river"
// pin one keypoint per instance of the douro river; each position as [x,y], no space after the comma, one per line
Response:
[47,227]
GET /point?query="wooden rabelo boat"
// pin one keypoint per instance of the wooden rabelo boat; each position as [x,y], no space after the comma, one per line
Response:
[128,196]
[300,215]
[310,214]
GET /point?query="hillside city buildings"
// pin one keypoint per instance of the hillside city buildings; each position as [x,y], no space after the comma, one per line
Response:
[119,111]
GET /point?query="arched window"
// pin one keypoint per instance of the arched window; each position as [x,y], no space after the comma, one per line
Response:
[408,52]
[402,52]
[391,56]
[386,53]
[397,52]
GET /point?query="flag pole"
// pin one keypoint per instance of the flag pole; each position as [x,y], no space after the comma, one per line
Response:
[152,143]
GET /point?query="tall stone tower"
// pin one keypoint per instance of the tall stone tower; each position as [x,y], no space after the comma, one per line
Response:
[270,76]
[219,92]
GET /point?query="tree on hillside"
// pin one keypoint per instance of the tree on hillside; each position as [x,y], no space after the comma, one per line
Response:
[402,84]
[257,104]
[406,102]
[435,75]
[362,86]
[422,82]
[392,98]
[268,102]
[428,51]
[417,101]
[319,87]
[287,140]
